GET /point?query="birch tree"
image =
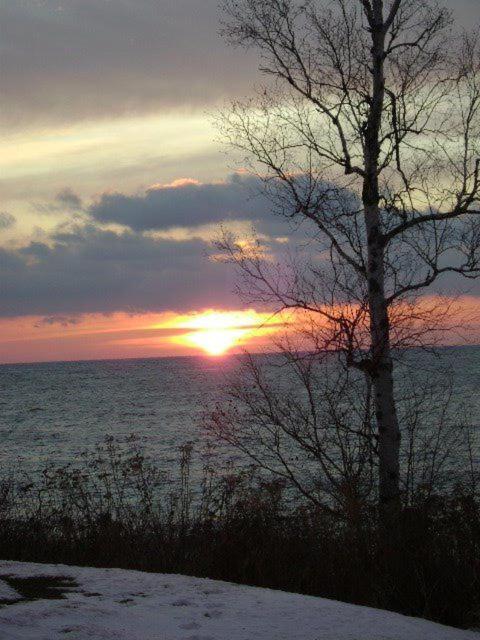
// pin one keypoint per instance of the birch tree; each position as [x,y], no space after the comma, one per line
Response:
[368,130]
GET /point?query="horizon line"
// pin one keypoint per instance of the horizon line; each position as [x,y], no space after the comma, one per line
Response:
[204,356]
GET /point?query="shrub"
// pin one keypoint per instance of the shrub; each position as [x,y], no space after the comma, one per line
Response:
[118,510]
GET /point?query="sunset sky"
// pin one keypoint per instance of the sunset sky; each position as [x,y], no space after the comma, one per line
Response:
[113,183]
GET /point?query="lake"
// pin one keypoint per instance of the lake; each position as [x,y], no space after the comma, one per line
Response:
[54,411]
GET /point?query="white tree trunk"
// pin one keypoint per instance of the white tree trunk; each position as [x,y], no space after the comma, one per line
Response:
[382,373]
[382,365]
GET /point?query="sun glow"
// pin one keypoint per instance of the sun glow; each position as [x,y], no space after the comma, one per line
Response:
[216,342]
[216,332]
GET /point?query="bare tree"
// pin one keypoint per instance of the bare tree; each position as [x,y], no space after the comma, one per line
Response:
[303,420]
[307,418]
[369,131]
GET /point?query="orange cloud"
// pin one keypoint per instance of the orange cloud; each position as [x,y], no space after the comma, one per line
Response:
[123,335]
[216,332]
[175,184]
[213,331]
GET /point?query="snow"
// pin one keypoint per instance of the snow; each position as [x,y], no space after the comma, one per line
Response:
[113,604]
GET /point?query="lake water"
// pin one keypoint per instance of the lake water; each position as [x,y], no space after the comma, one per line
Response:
[52,412]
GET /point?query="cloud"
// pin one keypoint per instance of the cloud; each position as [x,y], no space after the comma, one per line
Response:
[62,321]
[84,269]
[6,220]
[159,262]
[68,198]
[66,201]
[184,203]
[62,62]
[95,58]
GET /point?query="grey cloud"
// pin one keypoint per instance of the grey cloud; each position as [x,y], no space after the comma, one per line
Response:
[186,205]
[63,321]
[94,58]
[68,198]
[6,220]
[66,201]
[86,270]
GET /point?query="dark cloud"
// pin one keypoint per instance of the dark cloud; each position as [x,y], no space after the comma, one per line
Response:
[66,201]
[94,58]
[6,220]
[68,198]
[84,267]
[63,321]
[186,204]
[85,270]
[62,61]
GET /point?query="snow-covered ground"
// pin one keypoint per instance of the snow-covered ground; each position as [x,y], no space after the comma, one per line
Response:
[112,604]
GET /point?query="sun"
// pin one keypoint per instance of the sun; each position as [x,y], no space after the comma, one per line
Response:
[217,332]
[215,342]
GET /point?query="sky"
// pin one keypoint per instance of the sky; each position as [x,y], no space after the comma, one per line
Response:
[113,180]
